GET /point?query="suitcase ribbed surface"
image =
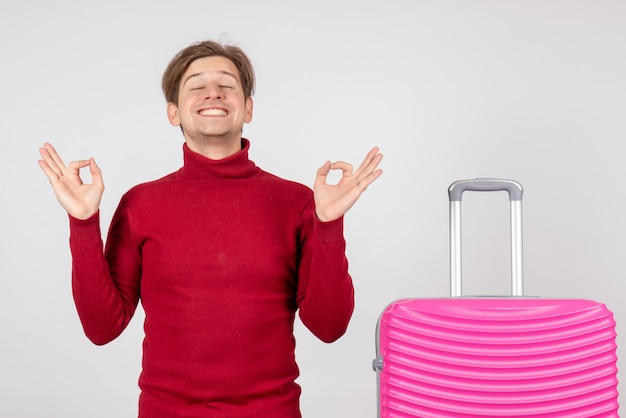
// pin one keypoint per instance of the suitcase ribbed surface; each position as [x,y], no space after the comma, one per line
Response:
[497,357]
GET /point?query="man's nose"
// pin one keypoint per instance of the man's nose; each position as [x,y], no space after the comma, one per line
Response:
[214,92]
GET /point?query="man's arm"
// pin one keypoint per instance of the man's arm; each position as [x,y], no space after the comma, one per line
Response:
[325,294]
[105,297]
[325,291]
[105,284]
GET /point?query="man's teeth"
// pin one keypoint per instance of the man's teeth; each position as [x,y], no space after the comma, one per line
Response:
[213,112]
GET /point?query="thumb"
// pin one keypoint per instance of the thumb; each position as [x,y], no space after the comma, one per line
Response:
[96,173]
[322,173]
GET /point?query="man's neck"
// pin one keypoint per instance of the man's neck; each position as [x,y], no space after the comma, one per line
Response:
[214,148]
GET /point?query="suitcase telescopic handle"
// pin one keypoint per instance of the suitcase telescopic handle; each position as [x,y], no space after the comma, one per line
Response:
[455,192]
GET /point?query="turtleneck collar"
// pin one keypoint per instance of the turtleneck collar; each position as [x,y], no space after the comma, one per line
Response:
[199,167]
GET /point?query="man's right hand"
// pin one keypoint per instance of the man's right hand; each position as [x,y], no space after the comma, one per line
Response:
[80,200]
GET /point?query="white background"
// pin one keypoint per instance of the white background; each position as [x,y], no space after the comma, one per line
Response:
[529,90]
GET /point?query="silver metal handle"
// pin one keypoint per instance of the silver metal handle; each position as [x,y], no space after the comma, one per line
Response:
[456,189]
[455,192]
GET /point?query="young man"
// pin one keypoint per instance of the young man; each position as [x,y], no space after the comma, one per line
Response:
[221,253]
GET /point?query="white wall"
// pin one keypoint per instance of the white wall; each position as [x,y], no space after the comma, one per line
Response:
[529,90]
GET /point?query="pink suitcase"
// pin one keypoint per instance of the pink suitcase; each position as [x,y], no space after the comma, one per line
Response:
[500,356]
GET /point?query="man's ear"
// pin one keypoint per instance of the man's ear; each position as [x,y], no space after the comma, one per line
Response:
[172,114]
[249,106]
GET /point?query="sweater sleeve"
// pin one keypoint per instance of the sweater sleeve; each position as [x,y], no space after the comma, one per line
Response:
[325,293]
[105,284]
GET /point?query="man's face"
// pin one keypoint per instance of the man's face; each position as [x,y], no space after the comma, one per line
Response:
[211,102]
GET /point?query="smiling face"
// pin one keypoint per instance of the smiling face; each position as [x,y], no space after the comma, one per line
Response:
[212,107]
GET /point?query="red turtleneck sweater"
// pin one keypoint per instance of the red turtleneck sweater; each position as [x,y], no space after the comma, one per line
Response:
[222,255]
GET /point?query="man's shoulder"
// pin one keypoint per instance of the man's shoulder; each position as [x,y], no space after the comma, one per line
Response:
[289,186]
[152,185]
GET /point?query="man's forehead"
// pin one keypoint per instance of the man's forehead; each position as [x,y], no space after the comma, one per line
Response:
[208,73]
[216,65]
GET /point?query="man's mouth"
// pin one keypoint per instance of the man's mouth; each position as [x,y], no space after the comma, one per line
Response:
[212,112]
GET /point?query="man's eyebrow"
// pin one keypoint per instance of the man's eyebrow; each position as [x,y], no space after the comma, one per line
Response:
[199,74]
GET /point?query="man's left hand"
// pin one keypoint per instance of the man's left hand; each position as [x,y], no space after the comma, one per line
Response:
[333,201]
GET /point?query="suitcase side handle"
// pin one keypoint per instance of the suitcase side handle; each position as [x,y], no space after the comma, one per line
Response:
[455,192]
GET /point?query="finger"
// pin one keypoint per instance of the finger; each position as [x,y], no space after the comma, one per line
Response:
[322,173]
[74,166]
[365,182]
[73,171]
[96,173]
[368,167]
[49,172]
[54,155]
[54,160]
[368,158]
[347,169]
[371,161]
[47,158]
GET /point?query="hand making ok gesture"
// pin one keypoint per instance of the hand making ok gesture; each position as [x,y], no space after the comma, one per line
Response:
[333,201]
[80,200]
